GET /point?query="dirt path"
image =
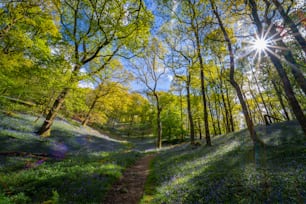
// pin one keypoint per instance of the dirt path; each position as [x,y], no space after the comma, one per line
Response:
[129,189]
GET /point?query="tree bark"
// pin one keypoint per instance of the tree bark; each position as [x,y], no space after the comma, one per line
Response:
[228,129]
[45,129]
[230,110]
[190,117]
[86,120]
[159,124]
[181,109]
[212,117]
[200,128]
[296,108]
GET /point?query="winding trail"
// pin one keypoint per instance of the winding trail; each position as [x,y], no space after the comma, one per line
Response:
[129,189]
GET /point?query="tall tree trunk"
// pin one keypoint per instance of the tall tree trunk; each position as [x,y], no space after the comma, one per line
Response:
[195,28]
[190,117]
[296,72]
[249,121]
[230,110]
[212,116]
[200,128]
[256,104]
[45,129]
[218,116]
[260,94]
[289,22]
[296,108]
[228,129]
[222,113]
[207,133]
[86,120]
[181,109]
[159,125]
[280,98]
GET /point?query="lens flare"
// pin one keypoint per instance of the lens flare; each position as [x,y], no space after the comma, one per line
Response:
[260,44]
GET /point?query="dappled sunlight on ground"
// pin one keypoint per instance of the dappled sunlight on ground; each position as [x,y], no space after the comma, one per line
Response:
[226,172]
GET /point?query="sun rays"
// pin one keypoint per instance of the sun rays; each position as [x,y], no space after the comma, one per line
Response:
[269,42]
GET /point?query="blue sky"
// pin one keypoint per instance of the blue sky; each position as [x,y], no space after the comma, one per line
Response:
[165,82]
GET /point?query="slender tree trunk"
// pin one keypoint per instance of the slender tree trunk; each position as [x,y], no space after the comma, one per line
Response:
[228,129]
[212,116]
[203,91]
[200,128]
[261,95]
[256,104]
[280,98]
[288,21]
[181,107]
[296,108]
[218,117]
[230,110]
[190,117]
[222,113]
[45,129]
[159,125]
[86,120]
[252,115]
[249,121]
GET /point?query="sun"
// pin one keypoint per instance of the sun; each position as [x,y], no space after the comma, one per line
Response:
[260,44]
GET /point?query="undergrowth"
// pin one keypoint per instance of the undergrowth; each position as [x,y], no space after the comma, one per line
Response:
[78,165]
[228,173]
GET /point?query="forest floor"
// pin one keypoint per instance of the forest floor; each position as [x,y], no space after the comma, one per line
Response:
[81,165]
[129,189]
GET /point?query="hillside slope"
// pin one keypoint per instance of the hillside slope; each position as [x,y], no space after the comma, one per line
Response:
[227,172]
[74,165]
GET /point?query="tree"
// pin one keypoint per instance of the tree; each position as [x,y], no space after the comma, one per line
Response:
[149,70]
[27,35]
[289,22]
[191,19]
[98,30]
[280,69]
[106,83]
[227,39]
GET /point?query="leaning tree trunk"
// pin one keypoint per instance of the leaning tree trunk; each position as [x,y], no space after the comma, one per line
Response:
[249,121]
[86,120]
[288,21]
[296,72]
[296,108]
[45,129]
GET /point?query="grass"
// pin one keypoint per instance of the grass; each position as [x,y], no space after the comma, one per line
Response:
[82,172]
[227,172]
